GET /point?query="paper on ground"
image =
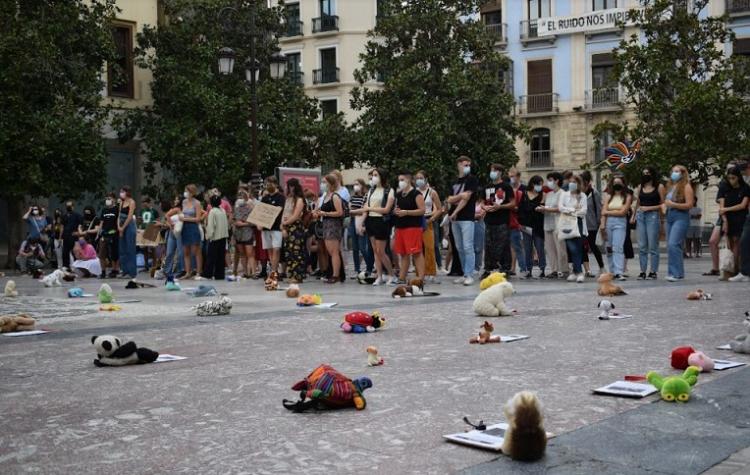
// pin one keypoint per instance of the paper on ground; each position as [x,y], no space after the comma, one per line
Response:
[489,439]
[26,333]
[127,301]
[164,358]
[509,338]
[721,365]
[619,317]
[626,389]
[326,305]
[724,347]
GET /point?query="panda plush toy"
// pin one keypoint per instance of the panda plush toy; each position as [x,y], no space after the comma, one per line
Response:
[110,352]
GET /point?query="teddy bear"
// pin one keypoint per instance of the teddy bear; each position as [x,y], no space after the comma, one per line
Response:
[372,357]
[361,322]
[741,343]
[485,334]
[10,289]
[607,288]
[491,301]
[272,282]
[699,294]
[15,323]
[414,288]
[110,352]
[293,291]
[492,279]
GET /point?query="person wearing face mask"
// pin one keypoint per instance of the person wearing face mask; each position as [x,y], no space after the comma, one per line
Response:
[433,207]
[71,221]
[57,237]
[172,264]
[649,198]
[36,224]
[462,215]
[127,234]
[377,208]
[217,233]
[109,253]
[593,214]
[295,251]
[244,236]
[30,258]
[555,250]
[191,217]
[272,239]
[499,200]
[331,212]
[87,263]
[733,211]
[517,254]
[614,223]
[360,245]
[677,203]
[532,226]
[744,269]
[90,228]
[408,221]
[575,203]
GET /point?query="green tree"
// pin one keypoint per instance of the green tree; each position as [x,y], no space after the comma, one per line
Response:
[443,94]
[690,99]
[52,53]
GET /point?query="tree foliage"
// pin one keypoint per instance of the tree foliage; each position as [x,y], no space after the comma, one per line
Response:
[442,96]
[690,98]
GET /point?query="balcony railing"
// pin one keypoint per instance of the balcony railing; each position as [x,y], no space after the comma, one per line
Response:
[603,97]
[530,32]
[499,31]
[294,28]
[296,77]
[325,23]
[539,103]
[325,75]
[540,159]
[737,6]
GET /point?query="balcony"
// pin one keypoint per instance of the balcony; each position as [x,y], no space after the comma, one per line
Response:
[540,159]
[325,23]
[294,28]
[325,76]
[530,33]
[539,104]
[499,31]
[296,77]
[738,7]
[603,98]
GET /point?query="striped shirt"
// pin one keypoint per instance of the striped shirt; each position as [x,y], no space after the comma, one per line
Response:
[356,202]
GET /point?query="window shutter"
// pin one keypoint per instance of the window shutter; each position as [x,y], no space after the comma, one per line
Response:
[539,77]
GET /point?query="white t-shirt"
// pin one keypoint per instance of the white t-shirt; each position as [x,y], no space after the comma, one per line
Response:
[551,201]
[375,199]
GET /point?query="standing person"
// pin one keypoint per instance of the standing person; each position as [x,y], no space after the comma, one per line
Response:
[500,198]
[331,212]
[217,232]
[89,228]
[432,207]
[126,232]
[57,237]
[272,237]
[244,235]
[614,223]
[109,242]
[744,271]
[517,254]
[532,222]
[593,215]
[173,262]
[36,224]
[191,217]
[345,196]
[479,230]
[360,246]
[554,249]
[148,215]
[463,204]
[294,232]
[678,201]
[378,205]
[693,242]
[575,203]
[71,220]
[408,221]
[649,198]
[733,211]
[716,233]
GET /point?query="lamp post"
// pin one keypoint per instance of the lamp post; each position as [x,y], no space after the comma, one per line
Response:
[227,57]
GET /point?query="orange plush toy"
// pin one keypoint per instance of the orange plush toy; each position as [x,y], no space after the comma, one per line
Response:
[607,288]
[485,334]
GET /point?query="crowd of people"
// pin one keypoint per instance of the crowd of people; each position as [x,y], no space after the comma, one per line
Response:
[489,221]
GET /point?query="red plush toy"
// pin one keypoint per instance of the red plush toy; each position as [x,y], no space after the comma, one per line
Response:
[680,356]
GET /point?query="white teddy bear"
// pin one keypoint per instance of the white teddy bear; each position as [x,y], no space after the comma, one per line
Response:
[491,302]
[741,343]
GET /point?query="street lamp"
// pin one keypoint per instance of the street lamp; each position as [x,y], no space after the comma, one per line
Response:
[278,65]
[226,61]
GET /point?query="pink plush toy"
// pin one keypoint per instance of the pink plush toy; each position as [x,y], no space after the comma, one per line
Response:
[702,361]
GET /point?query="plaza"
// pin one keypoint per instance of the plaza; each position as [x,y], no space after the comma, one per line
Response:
[219,410]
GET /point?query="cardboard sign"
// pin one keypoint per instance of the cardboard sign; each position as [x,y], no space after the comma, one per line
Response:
[264,215]
[152,232]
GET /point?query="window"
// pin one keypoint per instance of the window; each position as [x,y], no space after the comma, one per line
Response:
[506,77]
[539,9]
[603,4]
[120,70]
[604,140]
[329,108]
[541,151]
[741,47]
[328,71]
[539,86]
[494,17]
[326,7]
[293,23]
[605,92]
[294,67]
[328,58]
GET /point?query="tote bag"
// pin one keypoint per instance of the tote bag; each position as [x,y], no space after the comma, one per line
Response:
[567,227]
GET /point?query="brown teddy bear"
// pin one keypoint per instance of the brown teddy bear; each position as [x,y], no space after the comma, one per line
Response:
[485,334]
[607,288]
[14,323]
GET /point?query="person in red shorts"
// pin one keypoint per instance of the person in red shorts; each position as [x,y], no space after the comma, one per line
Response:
[409,222]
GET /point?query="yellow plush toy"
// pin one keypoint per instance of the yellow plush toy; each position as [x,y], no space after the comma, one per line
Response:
[492,279]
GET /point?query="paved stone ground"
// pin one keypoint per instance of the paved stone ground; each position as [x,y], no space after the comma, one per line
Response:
[220,410]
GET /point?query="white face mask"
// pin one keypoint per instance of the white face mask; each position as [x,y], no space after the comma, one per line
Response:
[108,202]
[324,187]
[186,195]
[421,182]
[240,202]
[375,180]
[357,188]
[402,185]
[746,178]
[572,186]
[123,195]
[551,184]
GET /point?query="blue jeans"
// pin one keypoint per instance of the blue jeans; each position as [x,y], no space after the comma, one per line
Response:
[617,226]
[677,225]
[516,242]
[438,233]
[128,263]
[648,239]
[575,249]
[530,243]
[174,255]
[463,235]
[360,245]
[479,231]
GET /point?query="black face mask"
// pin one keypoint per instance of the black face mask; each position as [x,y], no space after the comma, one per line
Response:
[69,208]
[617,187]
[645,179]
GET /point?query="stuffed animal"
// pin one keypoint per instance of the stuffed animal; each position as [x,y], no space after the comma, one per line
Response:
[365,279]
[372,357]
[741,343]
[675,388]
[293,291]
[16,323]
[361,322]
[492,279]
[211,308]
[700,360]
[272,282]
[605,309]
[679,357]
[136,284]
[699,294]
[607,288]
[110,352]
[105,294]
[525,439]
[54,279]
[326,388]
[75,293]
[485,334]
[10,289]
[109,307]
[491,302]
[308,300]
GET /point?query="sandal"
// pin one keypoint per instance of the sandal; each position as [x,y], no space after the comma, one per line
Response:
[711,272]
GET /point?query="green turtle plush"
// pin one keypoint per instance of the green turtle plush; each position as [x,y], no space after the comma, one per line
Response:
[105,294]
[675,388]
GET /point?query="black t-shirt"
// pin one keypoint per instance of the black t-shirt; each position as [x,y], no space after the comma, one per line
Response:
[407,202]
[276,199]
[734,196]
[466,183]
[71,221]
[723,186]
[528,216]
[109,220]
[498,194]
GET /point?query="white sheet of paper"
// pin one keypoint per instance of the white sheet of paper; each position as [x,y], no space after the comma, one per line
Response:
[26,333]
[724,347]
[489,439]
[326,305]
[619,317]
[721,365]
[627,389]
[509,338]
[164,358]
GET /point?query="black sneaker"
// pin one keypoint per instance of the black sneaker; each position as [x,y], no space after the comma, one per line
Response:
[528,275]
[103,275]
[620,277]
[512,273]
[551,276]
[642,276]
[485,274]
[113,274]
[652,276]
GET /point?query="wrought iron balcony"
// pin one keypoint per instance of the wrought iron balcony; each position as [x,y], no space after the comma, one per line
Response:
[540,159]
[540,104]
[530,32]
[734,7]
[294,28]
[603,98]
[499,31]
[325,23]
[297,77]
[325,75]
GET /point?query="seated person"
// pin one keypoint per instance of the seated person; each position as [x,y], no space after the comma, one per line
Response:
[87,263]
[31,256]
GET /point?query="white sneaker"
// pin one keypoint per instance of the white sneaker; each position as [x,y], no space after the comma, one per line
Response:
[571,278]
[460,280]
[468,281]
[430,279]
[671,278]
[740,278]
[378,281]
[580,278]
